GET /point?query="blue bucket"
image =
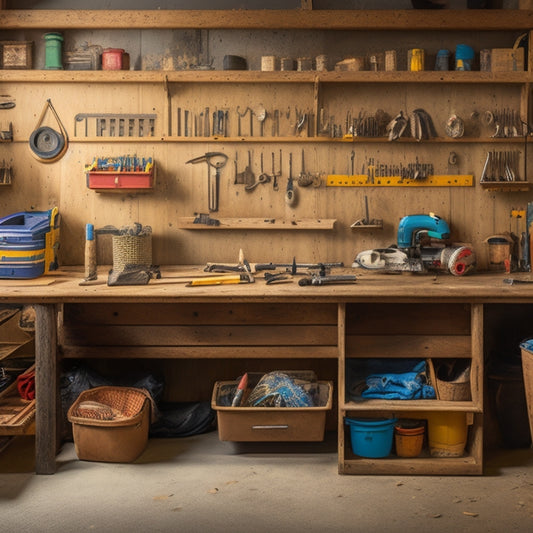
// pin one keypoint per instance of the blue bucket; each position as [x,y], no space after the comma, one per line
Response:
[371,437]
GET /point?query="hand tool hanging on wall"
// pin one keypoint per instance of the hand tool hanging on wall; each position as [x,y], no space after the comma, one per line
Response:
[6,101]
[246,176]
[6,135]
[290,193]
[239,121]
[46,144]
[118,124]
[263,177]
[216,160]
[261,114]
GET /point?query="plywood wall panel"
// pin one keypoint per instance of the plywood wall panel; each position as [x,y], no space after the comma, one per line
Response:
[181,189]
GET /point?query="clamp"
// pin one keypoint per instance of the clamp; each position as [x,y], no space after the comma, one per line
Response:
[216,160]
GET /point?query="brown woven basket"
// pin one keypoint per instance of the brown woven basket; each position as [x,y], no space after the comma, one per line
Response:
[119,439]
[132,250]
[455,390]
[108,404]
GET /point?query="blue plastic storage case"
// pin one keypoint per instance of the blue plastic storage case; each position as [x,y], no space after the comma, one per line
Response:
[28,244]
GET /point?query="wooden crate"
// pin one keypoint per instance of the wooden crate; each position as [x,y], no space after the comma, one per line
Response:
[507,59]
[16,54]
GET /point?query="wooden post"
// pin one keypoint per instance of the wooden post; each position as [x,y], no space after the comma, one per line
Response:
[46,389]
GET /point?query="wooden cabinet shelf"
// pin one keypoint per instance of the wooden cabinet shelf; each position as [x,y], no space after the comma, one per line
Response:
[294,19]
[261,77]
[258,224]
[407,331]
[409,405]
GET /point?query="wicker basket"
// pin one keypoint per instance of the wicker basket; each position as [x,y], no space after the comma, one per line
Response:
[110,424]
[132,250]
[455,390]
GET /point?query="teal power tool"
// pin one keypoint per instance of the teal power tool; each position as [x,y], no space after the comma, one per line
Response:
[216,160]
[414,251]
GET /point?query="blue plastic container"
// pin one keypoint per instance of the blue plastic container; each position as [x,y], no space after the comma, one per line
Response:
[371,437]
[28,244]
[464,57]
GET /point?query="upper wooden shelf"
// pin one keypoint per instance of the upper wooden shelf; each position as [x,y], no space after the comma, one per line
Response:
[257,76]
[386,20]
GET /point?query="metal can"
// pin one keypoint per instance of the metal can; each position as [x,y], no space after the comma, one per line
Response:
[390,60]
[415,59]
[442,61]
[321,62]
[268,63]
[304,63]
[287,63]
[484,60]
[112,59]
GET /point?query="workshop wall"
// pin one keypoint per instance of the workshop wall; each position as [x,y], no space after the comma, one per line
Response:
[181,189]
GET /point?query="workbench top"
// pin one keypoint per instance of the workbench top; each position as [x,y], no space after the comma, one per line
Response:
[63,286]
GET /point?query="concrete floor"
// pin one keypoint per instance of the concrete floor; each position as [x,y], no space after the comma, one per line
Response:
[199,484]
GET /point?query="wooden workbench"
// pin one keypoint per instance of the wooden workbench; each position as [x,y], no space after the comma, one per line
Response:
[283,321]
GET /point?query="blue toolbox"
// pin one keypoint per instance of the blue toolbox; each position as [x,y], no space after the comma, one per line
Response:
[28,244]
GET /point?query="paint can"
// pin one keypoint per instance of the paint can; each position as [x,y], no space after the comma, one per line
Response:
[442,61]
[415,59]
[112,59]
[464,57]
[268,63]
[287,63]
[321,62]
[53,51]
[484,60]
[304,64]
[390,60]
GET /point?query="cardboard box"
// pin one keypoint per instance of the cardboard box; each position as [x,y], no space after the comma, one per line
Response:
[16,54]
[507,59]
[272,424]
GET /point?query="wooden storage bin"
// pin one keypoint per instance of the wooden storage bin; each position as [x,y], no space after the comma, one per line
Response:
[507,59]
[272,424]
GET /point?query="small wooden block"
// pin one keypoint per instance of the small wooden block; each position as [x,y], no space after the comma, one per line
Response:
[16,54]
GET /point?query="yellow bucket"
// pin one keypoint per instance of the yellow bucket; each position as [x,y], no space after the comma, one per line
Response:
[447,432]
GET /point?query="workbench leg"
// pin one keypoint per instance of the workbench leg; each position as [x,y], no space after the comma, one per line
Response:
[46,388]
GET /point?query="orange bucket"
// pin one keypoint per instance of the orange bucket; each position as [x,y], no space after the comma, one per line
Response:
[409,438]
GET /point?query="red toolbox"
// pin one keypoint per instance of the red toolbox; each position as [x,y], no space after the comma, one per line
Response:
[107,181]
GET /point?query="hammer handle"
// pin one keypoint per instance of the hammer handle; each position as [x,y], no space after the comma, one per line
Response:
[90,253]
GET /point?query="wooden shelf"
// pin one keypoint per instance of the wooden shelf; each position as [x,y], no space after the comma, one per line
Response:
[465,465]
[376,20]
[257,76]
[292,139]
[259,224]
[506,186]
[409,405]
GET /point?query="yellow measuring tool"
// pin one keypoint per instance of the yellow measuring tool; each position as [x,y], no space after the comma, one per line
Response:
[362,180]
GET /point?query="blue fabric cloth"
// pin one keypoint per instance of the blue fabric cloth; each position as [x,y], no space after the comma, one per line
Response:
[527,345]
[405,386]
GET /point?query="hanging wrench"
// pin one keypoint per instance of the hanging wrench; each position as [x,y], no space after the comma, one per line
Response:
[290,193]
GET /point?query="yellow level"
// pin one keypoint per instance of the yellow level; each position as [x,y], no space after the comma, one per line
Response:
[362,180]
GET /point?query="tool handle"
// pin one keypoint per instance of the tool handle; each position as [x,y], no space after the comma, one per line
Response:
[90,253]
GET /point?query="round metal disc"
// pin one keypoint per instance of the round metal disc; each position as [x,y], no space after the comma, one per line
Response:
[46,143]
